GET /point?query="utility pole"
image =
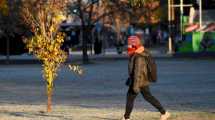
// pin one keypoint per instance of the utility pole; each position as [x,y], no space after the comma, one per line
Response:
[181,17]
[200,13]
[170,41]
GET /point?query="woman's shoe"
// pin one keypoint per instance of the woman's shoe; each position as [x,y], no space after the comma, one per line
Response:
[165,116]
[123,118]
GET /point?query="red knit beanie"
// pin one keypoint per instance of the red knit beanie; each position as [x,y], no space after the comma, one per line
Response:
[133,44]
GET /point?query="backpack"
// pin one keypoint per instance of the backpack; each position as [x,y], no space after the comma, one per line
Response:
[152,68]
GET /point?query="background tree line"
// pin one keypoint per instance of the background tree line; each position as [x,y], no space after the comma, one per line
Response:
[113,12]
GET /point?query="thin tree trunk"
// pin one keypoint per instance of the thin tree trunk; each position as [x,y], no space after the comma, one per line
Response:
[85,55]
[49,104]
[49,100]
[7,50]
[84,45]
[85,58]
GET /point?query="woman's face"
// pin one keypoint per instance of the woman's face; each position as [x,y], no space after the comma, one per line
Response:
[131,50]
[133,44]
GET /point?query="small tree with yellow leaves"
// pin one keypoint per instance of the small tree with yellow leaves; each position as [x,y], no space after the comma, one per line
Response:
[44,17]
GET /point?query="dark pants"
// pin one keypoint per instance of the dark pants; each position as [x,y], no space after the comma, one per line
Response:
[131,95]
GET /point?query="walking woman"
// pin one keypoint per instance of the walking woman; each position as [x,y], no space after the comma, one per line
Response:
[140,78]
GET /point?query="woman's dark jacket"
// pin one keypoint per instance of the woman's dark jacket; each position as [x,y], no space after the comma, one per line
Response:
[138,71]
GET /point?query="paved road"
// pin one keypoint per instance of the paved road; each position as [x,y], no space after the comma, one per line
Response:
[184,84]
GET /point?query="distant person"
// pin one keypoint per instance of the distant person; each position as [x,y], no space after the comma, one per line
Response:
[159,36]
[147,37]
[131,30]
[120,42]
[140,77]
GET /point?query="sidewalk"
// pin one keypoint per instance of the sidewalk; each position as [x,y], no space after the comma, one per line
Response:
[77,56]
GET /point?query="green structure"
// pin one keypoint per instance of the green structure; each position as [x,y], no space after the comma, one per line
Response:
[196,41]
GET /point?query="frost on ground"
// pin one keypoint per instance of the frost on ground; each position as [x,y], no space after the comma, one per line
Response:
[185,88]
[36,112]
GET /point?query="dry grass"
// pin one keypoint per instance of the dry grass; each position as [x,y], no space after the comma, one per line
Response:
[36,112]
